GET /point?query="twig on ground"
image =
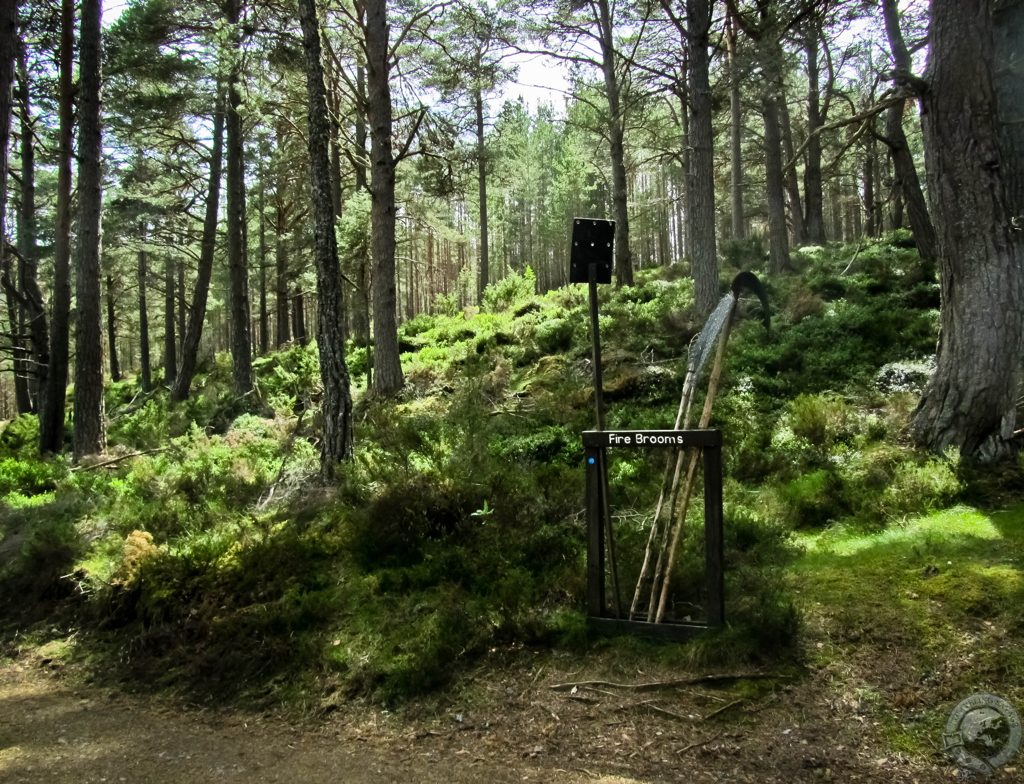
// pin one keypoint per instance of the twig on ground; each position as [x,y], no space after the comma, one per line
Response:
[699,743]
[670,684]
[724,708]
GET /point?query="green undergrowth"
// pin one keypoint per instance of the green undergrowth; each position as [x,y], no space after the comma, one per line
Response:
[199,555]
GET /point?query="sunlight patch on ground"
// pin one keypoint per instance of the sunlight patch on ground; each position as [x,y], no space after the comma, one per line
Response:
[959,522]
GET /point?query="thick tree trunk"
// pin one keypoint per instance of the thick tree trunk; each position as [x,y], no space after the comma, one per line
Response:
[336,442]
[197,311]
[969,402]
[145,365]
[89,436]
[115,366]
[387,369]
[616,147]
[238,272]
[702,160]
[51,420]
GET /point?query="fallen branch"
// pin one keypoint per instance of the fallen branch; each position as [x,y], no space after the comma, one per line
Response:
[724,708]
[698,744]
[649,705]
[675,683]
[112,461]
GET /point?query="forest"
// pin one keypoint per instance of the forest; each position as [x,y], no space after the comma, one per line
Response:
[294,381]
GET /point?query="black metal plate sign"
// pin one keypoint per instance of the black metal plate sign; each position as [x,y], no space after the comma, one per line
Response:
[592,243]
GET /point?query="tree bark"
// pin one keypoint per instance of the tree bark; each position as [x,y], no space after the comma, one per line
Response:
[238,273]
[115,366]
[170,345]
[1009,87]
[387,369]
[616,147]
[702,160]
[299,317]
[778,235]
[814,210]
[896,140]
[197,311]
[739,221]
[145,366]
[89,435]
[969,402]
[51,419]
[481,177]
[336,442]
[28,267]
[264,315]
[8,54]
[792,183]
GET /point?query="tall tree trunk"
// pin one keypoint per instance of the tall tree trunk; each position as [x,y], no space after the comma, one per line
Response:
[51,421]
[197,311]
[387,369]
[336,443]
[115,366]
[145,366]
[8,53]
[896,140]
[28,267]
[264,315]
[481,177]
[1009,87]
[238,273]
[89,436]
[814,211]
[281,295]
[170,344]
[778,235]
[792,184]
[299,317]
[616,147]
[702,159]
[281,298]
[969,402]
[739,221]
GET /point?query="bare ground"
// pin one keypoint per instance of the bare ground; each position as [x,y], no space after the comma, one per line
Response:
[547,718]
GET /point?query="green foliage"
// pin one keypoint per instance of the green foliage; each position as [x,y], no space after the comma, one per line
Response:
[145,428]
[21,435]
[29,476]
[289,377]
[513,290]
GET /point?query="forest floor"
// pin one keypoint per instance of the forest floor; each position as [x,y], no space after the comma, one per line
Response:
[510,723]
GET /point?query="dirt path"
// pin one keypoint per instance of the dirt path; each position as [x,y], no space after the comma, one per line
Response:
[51,732]
[513,727]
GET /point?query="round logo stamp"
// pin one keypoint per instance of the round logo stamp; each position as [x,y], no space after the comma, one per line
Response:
[982,733]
